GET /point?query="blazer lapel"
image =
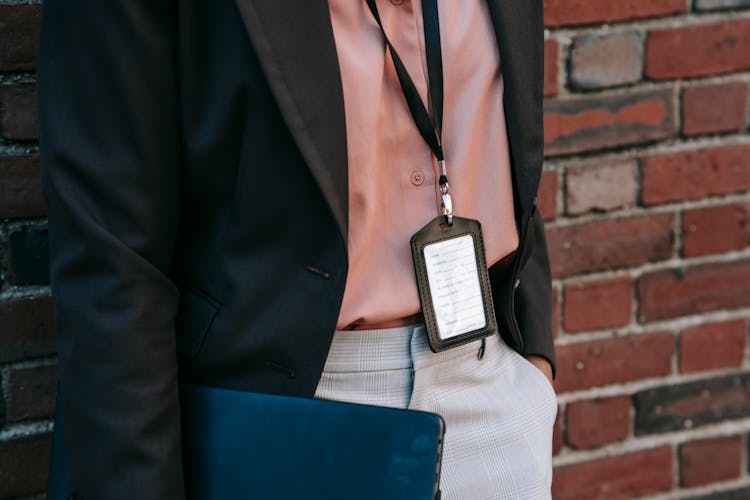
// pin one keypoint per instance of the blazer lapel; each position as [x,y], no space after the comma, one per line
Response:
[519,30]
[295,44]
[294,41]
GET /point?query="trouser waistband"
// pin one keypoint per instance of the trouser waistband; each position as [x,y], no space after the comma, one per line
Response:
[387,349]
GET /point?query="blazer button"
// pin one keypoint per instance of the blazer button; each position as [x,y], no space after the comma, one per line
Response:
[518,282]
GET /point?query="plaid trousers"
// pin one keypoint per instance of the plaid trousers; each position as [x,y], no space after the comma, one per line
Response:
[499,410]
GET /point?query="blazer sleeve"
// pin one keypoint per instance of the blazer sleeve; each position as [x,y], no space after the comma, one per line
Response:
[108,103]
[533,301]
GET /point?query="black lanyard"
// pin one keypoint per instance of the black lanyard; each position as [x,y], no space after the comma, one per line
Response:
[430,128]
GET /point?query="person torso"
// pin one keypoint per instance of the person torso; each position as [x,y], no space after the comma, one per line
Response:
[392,172]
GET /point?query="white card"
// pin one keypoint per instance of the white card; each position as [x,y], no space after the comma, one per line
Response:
[453,277]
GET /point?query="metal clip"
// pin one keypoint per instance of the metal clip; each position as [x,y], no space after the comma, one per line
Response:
[443,170]
[446,204]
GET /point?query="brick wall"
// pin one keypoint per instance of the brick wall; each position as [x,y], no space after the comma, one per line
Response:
[27,342]
[646,193]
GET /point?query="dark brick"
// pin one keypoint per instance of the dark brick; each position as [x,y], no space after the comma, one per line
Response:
[741,494]
[692,404]
[18,112]
[20,187]
[606,121]
[24,465]
[670,293]
[3,407]
[19,26]
[610,243]
[29,256]
[31,392]
[28,329]
[718,5]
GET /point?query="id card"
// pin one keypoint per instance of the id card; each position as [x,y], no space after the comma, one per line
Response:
[453,282]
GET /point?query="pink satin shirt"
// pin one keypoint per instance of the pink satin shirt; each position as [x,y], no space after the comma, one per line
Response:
[392,173]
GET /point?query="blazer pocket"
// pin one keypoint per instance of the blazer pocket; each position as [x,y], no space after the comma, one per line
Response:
[195,315]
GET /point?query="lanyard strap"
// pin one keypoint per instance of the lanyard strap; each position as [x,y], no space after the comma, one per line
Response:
[430,128]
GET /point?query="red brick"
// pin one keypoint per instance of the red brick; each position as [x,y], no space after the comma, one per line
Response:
[596,422]
[31,392]
[19,26]
[607,121]
[715,229]
[606,60]
[570,12]
[555,319]
[696,174]
[710,460]
[548,187]
[624,476]
[612,361]
[24,465]
[18,112]
[20,187]
[708,287]
[714,108]
[698,50]
[557,434]
[601,187]
[598,304]
[712,346]
[551,51]
[28,329]
[610,243]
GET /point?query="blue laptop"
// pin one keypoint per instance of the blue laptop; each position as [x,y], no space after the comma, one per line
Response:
[239,445]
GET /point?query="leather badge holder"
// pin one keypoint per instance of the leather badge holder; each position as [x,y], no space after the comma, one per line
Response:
[453,282]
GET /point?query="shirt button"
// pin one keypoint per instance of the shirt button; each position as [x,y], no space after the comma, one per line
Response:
[417,178]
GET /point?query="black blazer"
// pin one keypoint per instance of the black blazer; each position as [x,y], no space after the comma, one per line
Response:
[195,173]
